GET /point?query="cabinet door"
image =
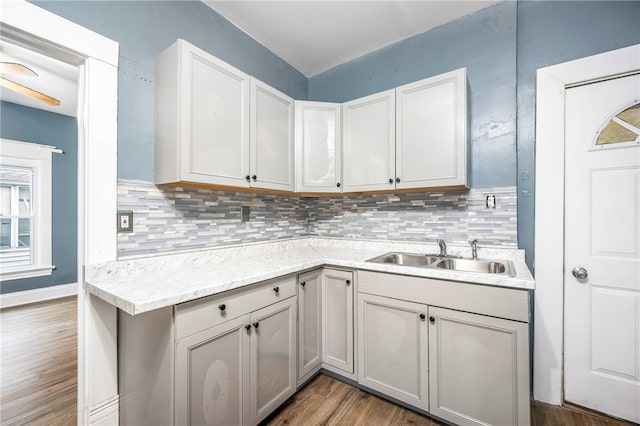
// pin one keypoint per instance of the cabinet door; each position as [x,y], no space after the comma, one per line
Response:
[214,120]
[392,348]
[273,358]
[318,147]
[210,380]
[479,368]
[431,132]
[271,138]
[368,137]
[309,324]
[337,319]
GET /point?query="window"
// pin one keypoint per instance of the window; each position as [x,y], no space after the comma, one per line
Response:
[622,128]
[25,209]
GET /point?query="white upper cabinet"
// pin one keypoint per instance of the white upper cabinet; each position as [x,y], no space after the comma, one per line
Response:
[368,137]
[215,125]
[431,132]
[318,160]
[271,137]
[201,118]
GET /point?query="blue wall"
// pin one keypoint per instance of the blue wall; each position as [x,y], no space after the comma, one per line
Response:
[144,29]
[551,33]
[501,47]
[33,125]
[484,43]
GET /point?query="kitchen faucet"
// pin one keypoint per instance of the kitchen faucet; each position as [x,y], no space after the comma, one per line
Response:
[443,247]
[474,249]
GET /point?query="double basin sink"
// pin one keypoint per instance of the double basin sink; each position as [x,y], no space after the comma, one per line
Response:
[483,266]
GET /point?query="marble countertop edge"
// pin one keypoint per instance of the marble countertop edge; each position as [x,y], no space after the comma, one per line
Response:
[140,285]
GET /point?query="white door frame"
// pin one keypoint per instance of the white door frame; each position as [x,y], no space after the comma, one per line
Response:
[552,83]
[97,60]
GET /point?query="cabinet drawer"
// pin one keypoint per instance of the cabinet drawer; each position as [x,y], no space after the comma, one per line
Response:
[191,317]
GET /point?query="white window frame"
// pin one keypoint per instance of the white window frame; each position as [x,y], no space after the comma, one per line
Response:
[38,158]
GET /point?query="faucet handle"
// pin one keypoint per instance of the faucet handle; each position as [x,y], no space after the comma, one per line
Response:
[474,249]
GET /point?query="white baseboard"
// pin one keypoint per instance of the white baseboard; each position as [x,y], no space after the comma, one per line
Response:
[106,413]
[18,298]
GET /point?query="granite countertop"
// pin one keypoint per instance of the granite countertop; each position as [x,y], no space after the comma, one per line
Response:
[139,285]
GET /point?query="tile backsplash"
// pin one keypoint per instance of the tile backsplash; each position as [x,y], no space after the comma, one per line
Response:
[168,218]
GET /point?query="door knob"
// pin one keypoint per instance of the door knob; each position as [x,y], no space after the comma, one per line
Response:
[580,273]
[397,180]
[391,181]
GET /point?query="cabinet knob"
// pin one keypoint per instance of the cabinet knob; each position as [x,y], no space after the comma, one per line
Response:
[303,283]
[348,282]
[254,177]
[222,307]
[276,289]
[256,324]
[390,181]
[247,327]
[432,320]
[248,178]
[422,316]
[338,184]
[397,180]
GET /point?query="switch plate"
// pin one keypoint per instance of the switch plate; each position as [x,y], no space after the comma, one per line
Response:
[125,221]
[491,201]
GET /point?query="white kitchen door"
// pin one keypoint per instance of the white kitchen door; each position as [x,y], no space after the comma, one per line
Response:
[602,247]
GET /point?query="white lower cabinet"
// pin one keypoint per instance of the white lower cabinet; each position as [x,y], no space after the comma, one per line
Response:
[325,323]
[479,368]
[337,320]
[467,368]
[237,372]
[309,324]
[227,359]
[212,372]
[272,364]
[392,355]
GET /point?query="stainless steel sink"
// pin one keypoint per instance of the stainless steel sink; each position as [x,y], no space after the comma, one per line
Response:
[481,266]
[406,259]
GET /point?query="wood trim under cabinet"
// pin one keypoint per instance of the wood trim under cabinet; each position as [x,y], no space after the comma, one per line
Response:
[310,194]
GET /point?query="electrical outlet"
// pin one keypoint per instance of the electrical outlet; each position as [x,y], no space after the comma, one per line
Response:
[244,213]
[125,221]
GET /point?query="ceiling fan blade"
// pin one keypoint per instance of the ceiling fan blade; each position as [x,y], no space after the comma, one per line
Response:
[15,68]
[16,87]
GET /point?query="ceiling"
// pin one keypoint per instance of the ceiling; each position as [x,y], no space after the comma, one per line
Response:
[56,79]
[314,36]
[311,35]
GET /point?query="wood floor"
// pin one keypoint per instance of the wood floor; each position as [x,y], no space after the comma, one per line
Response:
[38,364]
[38,385]
[326,401]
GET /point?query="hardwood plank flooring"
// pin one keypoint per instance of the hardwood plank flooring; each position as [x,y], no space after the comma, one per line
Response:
[38,383]
[38,364]
[326,401]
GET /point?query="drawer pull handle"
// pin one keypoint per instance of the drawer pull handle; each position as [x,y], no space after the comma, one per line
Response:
[432,320]
[247,327]
[256,324]
[348,282]
[248,178]
[222,307]
[276,289]
[254,177]
[303,283]
[422,317]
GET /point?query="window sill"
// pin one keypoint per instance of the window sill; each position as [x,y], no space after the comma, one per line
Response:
[31,272]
